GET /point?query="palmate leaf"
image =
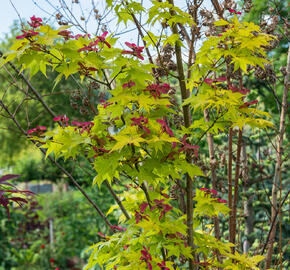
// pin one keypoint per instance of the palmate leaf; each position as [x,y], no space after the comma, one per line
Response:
[186,168]
[242,261]
[151,39]
[124,140]
[106,167]
[68,68]
[221,23]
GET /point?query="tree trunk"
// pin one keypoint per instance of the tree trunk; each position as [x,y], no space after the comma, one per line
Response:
[248,207]
[278,166]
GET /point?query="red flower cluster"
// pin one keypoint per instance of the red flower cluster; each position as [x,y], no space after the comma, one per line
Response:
[129,84]
[102,39]
[160,205]
[100,151]
[66,34]
[157,89]
[91,47]
[105,104]
[146,257]
[235,12]
[243,91]
[214,193]
[247,104]
[136,50]
[221,201]
[93,44]
[27,34]
[83,36]
[140,122]
[38,130]
[85,70]
[139,217]
[86,126]
[204,264]
[120,229]
[132,186]
[102,235]
[35,22]
[62,118]
[165,128]
[163,266]
[211,81]
[143,207]
[187,147]
[206,190]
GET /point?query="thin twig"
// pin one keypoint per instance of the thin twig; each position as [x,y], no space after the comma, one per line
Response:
[35,92]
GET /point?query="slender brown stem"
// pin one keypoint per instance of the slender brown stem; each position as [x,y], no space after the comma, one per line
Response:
[116,198]
[34,91]
[280,221]
[236,187]
[247,204]
[230,188]
[187,121]
[237,175]
[191,56]
[230,162]
[213,165]
[144,188]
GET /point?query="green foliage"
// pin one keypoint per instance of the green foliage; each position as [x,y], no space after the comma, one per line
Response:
[130,140]
[66,98]
[24,238]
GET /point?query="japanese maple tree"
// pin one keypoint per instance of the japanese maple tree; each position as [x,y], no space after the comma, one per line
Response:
[146,141]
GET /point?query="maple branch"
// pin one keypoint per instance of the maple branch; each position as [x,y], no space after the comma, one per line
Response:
[102,215]
[33,90]
[145,190]
[48,109]
[237,175]
[116,198]
[211,125]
